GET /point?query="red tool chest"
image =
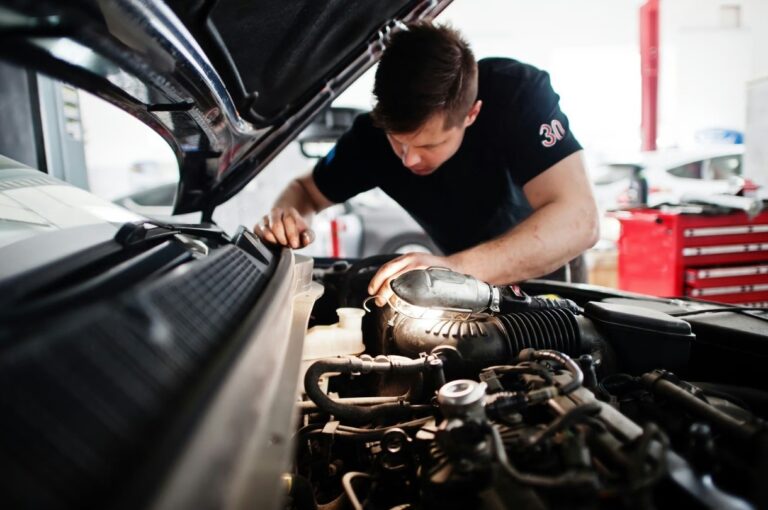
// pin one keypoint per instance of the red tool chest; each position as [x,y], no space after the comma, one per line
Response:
[720,257]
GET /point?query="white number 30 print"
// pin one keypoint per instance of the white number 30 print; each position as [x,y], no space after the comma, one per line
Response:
[552,132]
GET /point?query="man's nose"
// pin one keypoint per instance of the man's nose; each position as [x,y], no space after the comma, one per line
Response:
[410,158]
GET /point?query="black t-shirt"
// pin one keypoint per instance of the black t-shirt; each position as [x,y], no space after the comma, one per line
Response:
[477,194]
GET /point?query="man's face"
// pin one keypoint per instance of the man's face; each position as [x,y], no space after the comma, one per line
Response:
[424,150]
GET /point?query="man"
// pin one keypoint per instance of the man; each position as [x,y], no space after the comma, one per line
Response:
[478,153]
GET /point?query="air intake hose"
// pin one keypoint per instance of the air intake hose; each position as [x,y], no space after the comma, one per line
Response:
[436,306]
[491,339]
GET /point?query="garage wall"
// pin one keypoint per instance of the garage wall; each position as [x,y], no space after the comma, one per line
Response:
[21,135]
[589,48]
[756,154]
[710,50]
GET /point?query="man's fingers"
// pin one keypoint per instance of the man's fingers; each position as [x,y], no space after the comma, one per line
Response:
[379,285]
[275,223]
[258,229]
[385,290]
[285,227]
[307,237]
[381,276]
[291,230]
[387,271]
[295,227]
[264,233]
[384,294]
[270,236]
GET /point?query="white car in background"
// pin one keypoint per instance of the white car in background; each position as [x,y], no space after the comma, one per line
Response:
[673,175]
[670,175]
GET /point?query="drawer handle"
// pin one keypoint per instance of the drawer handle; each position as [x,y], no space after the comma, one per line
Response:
[721,250]
[725,231]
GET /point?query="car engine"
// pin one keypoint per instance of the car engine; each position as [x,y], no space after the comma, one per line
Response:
[475,396]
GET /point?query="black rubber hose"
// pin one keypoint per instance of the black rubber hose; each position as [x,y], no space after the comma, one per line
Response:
[354,414]
[571,479]
[357,434]
[512,302]
[744,430]
[572,416]
[515,369]
[563,359]
[547,329]
[752,399]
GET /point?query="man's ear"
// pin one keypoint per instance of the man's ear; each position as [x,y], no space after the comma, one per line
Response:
[473,112]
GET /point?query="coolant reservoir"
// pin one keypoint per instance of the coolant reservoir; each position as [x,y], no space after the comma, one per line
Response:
[340,339]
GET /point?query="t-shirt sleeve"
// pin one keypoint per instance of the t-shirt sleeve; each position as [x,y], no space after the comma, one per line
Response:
[541,134]
[347,169]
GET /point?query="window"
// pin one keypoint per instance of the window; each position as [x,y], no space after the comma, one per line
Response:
[725,167]
[688,171]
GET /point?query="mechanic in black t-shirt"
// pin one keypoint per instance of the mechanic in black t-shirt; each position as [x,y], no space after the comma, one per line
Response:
[478,153]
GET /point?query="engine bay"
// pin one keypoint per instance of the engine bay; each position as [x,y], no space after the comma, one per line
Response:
[459,394]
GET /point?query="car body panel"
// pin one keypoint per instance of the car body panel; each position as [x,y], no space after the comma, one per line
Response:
[225,442]
[237,454]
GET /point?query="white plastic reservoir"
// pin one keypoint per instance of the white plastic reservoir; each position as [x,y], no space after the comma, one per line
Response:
[340,339]
[345,338]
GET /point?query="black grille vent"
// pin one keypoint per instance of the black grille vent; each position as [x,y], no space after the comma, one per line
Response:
[82,397]
[225,285]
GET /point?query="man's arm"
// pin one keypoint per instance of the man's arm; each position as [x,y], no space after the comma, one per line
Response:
[564,223]
[287,223]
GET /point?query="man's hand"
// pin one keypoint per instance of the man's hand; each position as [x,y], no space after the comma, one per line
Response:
[286,227]
[379,285]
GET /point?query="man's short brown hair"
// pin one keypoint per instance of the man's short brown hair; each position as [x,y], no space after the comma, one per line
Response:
[426,69]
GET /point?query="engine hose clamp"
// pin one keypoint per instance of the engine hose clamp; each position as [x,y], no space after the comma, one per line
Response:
[495,299]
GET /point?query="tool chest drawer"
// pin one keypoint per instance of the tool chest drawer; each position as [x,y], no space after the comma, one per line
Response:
[720,258]
[701,278]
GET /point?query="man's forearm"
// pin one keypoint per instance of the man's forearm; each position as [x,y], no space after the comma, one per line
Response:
[549,238]
[295,195]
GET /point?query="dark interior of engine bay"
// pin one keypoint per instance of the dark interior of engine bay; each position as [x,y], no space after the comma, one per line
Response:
[466,395]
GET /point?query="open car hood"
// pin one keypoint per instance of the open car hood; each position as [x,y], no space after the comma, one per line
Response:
[226,83]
